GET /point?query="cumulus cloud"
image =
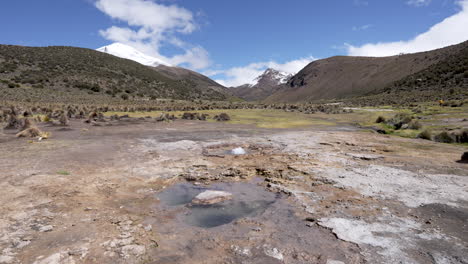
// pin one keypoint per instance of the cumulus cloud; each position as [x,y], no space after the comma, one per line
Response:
[243,75]
[450,31]
[152,25]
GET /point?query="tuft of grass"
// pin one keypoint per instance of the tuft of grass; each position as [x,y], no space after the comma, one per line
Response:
[62,172]
[380,119]
[426,134]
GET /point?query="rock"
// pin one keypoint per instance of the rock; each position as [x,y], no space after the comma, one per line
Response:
[133,250]
[238,151]
[273,252]
[241,251]
[211,197]
[331,261]
[46,228]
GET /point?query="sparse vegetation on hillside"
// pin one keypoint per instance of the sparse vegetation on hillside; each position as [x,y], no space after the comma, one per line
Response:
[54,74]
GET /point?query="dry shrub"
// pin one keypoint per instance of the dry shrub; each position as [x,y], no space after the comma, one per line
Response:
[444,137]
[27,123]
[222,117]
[426,134]
[13,122]
[63,120]
[30,132]
[414,124]
[380,119]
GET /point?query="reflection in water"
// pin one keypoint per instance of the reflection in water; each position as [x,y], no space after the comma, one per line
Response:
[221,214]
[248,200]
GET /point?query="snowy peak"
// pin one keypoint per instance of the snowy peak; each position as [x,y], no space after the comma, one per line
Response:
[266,84]
[272,77]
[127,52]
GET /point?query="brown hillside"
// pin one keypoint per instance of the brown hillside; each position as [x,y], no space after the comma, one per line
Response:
[77,74]
[343,77]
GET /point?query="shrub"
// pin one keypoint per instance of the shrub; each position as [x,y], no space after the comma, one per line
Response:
[30,132]
[380,119]
[461,136]
[414,124]
[399,120]
[426,134]
[222,117]
[444,137]
[124,96]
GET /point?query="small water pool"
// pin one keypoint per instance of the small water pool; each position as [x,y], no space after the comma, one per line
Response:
[248,200]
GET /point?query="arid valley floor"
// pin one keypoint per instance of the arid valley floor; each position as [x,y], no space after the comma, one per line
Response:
[317,193]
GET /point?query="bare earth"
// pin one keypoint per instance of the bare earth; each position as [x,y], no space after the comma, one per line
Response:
[121,194]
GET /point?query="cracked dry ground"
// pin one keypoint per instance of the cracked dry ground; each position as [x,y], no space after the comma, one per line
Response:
[90,195]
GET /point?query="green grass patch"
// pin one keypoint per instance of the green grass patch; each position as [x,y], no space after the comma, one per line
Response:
[263,118]
[62,172]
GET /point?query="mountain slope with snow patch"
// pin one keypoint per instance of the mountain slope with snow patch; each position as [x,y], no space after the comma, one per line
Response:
[127,52]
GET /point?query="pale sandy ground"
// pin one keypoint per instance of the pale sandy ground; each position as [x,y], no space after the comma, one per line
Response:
[90,195]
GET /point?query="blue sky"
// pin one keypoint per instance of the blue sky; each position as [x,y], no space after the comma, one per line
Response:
[232,41]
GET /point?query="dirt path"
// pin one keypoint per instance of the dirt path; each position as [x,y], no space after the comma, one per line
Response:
[93,195]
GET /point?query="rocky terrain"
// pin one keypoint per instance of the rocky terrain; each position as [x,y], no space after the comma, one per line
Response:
[126,192]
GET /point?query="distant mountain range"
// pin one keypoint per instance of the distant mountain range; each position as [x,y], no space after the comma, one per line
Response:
[122,72]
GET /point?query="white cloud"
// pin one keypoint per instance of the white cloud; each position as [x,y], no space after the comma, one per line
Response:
[152,25]
[197,58]
[450,31]
[364,27]
[418,2]
[243,75]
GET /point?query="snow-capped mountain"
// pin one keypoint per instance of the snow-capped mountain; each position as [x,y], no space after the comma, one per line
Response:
[127,52]
[271,76]
[262,86]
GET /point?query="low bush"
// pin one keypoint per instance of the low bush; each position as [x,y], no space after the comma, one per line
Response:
[380,119]
[426,134]
[444,137]
[414,124]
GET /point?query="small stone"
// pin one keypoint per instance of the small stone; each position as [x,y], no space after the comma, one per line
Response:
[46,228]
[274,253]
[331,261]
[135,250]
[241,251]
[257,229]
[148,228]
